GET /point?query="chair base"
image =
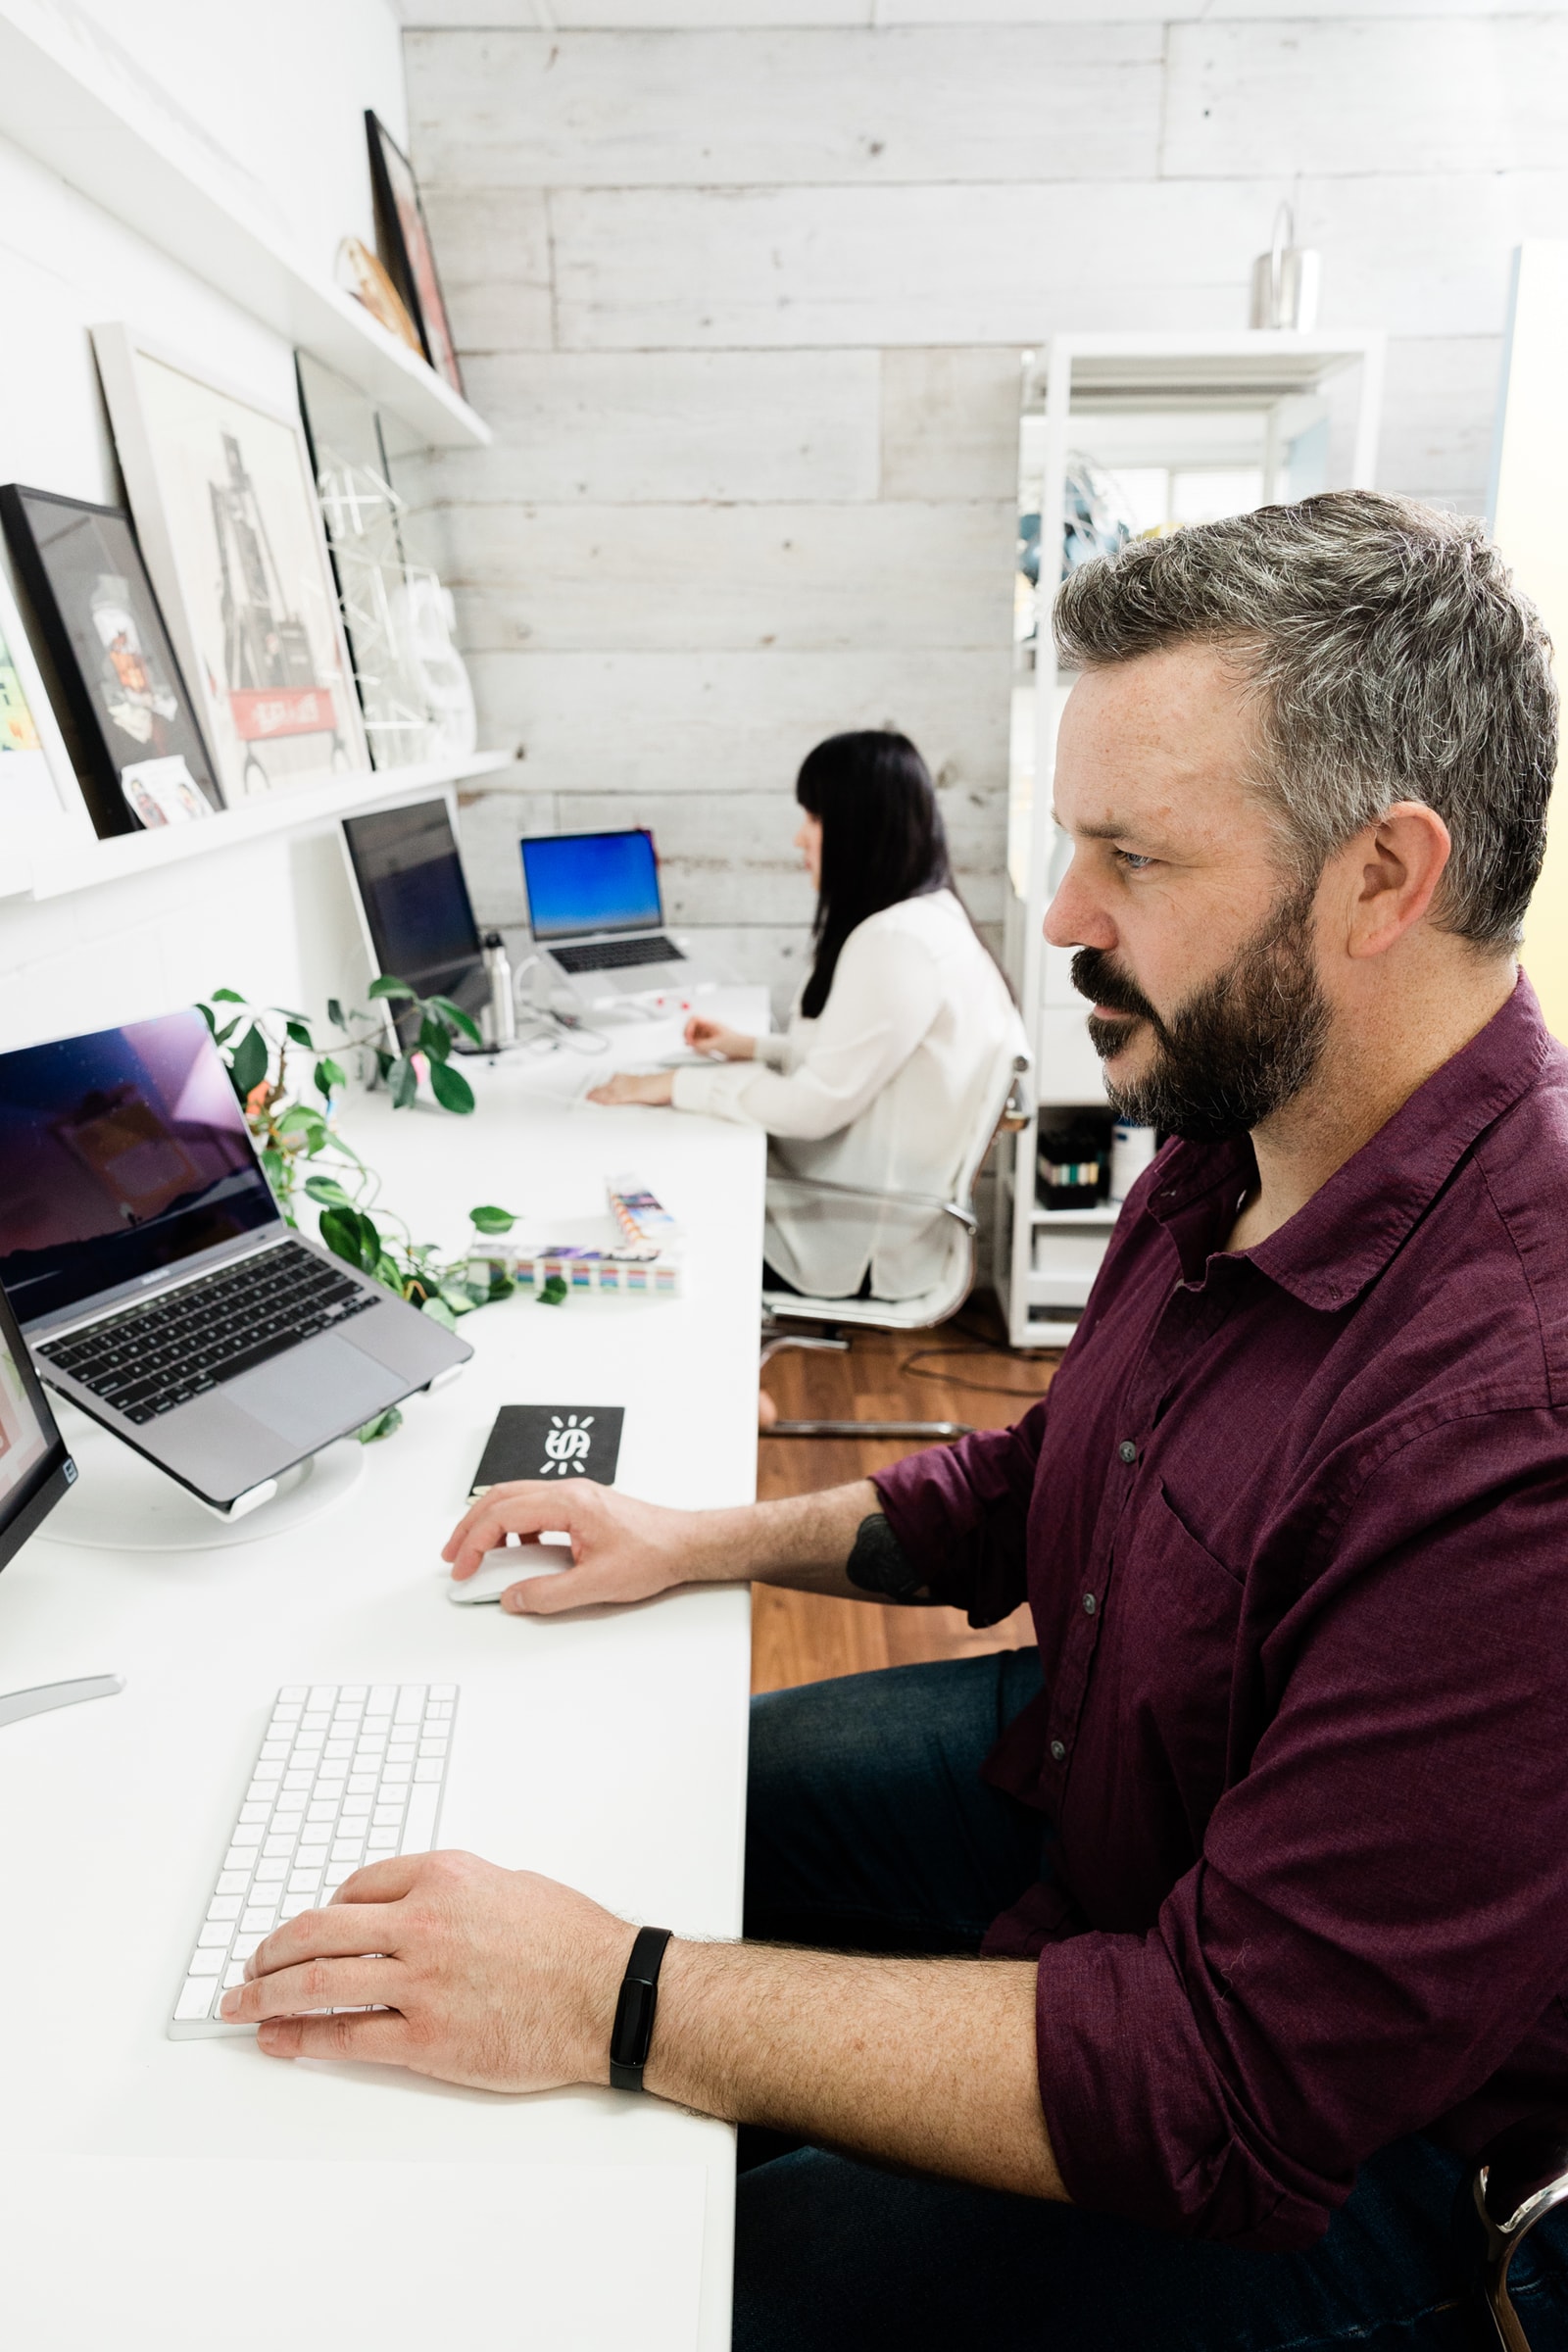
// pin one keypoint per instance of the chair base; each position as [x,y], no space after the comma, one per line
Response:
[936,1431]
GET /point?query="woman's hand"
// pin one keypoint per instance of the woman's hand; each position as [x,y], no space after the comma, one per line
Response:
[712,1037]
[629,1086]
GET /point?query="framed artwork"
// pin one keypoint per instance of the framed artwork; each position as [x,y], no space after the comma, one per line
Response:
[41,801]
[137,740]
[225,505]
[402,237]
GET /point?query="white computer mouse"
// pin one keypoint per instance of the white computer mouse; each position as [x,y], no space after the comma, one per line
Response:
[512,1564]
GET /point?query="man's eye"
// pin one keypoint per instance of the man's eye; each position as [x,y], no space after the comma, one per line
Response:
[1132,862]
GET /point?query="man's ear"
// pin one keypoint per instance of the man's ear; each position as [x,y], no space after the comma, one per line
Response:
[1394,867]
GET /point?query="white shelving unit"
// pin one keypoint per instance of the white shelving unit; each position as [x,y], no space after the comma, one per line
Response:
[71,98]
[1274,414]
[85,863]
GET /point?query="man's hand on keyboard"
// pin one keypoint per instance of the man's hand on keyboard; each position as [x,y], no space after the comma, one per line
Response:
[449,1966]
[622,1550]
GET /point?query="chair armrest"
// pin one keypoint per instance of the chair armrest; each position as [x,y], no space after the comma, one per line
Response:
[860,1192]
[1518,2179]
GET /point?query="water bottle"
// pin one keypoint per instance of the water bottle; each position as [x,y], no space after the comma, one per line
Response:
[503,1021]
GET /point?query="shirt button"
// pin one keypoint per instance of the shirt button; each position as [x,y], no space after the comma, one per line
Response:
[1057,1751]
[1128,1450]
[1090,1604]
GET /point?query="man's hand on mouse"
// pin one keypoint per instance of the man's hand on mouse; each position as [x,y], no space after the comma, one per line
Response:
[495,1977]
[622,1550]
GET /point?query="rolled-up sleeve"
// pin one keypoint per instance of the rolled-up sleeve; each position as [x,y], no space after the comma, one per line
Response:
[961,1514]
[1379,1916]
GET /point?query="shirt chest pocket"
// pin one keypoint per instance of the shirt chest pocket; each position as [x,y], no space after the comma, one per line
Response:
[1176,1610]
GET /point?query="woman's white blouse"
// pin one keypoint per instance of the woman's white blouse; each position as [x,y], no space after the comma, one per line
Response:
[883,1092]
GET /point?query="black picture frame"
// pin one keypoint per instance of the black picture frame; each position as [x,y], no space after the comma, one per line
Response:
[66,550]
[403,242]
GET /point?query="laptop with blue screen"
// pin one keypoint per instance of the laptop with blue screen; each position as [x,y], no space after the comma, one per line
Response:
[596,912]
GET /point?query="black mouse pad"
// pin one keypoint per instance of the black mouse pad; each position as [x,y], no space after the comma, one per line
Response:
[550,1441]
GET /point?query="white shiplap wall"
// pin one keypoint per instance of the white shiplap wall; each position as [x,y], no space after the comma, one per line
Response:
[744,303]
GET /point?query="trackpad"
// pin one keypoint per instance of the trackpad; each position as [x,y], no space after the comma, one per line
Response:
[313,1393]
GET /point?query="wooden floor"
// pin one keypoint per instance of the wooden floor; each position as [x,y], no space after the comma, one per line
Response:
[800,1638]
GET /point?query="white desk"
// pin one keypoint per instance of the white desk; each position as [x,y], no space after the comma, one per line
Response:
[607,1751]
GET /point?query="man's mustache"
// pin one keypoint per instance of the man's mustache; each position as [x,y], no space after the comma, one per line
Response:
[1096,977]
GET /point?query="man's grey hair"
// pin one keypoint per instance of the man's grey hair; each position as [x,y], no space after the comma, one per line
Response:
[1393,659]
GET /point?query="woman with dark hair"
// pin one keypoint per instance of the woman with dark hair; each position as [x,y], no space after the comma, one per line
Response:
[890,1054]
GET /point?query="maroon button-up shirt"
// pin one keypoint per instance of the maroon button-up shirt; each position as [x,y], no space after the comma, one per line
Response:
[1292,1525]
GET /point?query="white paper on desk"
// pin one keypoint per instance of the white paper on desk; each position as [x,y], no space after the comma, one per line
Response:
[183,2254]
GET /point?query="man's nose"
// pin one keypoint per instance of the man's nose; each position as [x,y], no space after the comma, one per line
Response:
[1072,919]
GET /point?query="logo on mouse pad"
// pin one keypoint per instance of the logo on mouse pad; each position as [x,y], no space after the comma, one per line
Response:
[566,1444]
[552,1441]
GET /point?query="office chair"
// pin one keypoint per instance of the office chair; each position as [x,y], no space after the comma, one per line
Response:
[1006,1108]
[1516,2181]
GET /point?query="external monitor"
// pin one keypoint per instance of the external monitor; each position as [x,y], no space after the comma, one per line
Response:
[415,903]
[36,1469]
[583,883]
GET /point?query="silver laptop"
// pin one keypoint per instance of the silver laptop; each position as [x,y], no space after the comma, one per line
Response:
[158,1289]
[595,910]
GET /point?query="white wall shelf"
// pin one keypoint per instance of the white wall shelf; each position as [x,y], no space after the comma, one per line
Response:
[86,863]
[1156,392]
[70,99]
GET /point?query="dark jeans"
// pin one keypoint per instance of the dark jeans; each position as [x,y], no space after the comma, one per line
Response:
[869,1827]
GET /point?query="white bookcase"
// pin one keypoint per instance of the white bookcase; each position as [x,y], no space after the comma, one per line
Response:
[1228,421]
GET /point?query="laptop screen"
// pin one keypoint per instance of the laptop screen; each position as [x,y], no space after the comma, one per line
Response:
[416,900]
[121,1154]
[580,882]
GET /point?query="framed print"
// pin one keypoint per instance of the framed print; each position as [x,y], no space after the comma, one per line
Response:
[138,744]
[221,490]
[41,801]
[404,238]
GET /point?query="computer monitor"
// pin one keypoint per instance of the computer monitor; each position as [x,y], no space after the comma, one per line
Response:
[416,903]
[589,882]
[35,1468]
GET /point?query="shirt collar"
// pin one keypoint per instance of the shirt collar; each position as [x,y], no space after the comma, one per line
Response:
[1344,1237]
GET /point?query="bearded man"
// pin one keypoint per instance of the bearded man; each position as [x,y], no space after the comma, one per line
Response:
[1149,1988]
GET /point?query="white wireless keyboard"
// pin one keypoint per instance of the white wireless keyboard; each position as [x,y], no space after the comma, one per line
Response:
[349,1773]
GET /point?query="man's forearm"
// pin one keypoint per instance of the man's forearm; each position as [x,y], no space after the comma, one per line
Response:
[803,1541]
[925,2064]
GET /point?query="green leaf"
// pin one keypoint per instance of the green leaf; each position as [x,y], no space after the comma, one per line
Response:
[227,996]
[334,1014]
[440,1312]
[207,1016]
[457,1297]
[553,1291]
[435,1039]
[502,1285]
[305,1121]
[386,987]
[488,1219]
[300,1035]
[450,1087]
[220,1037]
[388,1273]
[340,1231]
[457,1017]
[276,1168]
[327,1189]
[249,1062]
[329,1074]
[381,1425]
[404,1080]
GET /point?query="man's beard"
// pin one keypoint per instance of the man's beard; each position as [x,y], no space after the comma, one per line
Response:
[1241,1047]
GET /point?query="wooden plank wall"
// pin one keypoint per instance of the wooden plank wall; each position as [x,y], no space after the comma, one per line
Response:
[745,307]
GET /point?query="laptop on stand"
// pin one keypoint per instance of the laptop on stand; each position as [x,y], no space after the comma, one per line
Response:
[597,914]
[156,1283]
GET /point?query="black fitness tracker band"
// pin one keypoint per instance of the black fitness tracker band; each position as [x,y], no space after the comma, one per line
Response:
[634,2011]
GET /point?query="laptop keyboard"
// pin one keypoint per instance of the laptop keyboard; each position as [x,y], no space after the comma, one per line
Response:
[611,953]
[161,1353]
